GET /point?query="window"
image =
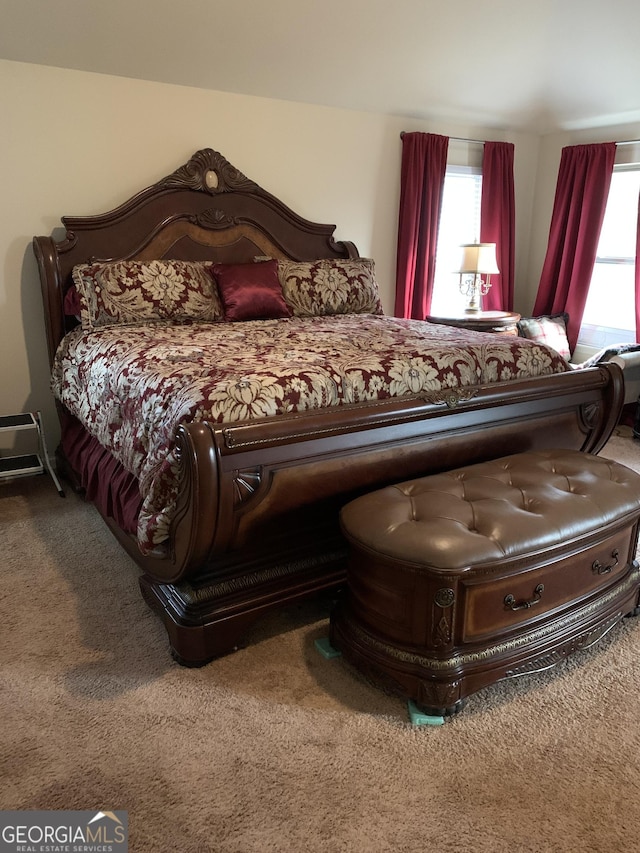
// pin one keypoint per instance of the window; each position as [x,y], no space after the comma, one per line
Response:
[609,315]
[459,223]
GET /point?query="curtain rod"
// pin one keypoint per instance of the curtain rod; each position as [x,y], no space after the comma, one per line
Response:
[481,141]
[456,138]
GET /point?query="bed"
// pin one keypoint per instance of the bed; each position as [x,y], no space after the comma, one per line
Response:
[309,395]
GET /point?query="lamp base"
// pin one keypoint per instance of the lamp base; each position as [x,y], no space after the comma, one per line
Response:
[474,288]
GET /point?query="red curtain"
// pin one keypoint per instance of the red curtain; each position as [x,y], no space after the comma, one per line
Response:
[424,163]
[497,221]
[638,275]
[583,184]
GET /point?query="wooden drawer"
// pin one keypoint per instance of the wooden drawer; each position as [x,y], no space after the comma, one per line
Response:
[490,607]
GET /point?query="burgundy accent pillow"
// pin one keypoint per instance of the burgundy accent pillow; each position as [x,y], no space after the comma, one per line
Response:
[72,302]
[250,291]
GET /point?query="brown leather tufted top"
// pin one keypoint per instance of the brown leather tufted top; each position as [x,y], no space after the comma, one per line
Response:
[486,512]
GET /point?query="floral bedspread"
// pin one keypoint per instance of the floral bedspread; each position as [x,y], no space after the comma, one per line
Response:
[130,386]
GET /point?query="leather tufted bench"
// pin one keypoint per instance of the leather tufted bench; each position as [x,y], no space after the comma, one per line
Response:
[490,571]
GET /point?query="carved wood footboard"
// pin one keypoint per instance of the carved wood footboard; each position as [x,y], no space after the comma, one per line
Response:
[279,479]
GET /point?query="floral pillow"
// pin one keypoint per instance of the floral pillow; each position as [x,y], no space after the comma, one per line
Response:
[550,329]
[315,288]
[129,292]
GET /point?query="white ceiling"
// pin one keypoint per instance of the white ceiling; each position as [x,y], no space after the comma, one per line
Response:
[539,66]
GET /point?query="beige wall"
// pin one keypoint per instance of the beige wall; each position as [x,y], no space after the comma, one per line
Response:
[76,143]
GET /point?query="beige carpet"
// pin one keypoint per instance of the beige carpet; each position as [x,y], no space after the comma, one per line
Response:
[275,748]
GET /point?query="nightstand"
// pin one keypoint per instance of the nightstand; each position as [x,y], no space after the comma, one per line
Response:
[27,464]
[500,322]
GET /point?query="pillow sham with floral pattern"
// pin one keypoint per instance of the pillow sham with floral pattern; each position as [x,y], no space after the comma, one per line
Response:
[130,292]
[317,288]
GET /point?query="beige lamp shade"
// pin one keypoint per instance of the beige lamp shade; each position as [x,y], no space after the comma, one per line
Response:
[479,258]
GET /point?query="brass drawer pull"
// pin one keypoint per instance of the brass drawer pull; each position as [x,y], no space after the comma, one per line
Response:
[510,601]
[604,570]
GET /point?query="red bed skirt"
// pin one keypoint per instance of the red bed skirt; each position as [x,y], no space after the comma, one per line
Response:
[107,484]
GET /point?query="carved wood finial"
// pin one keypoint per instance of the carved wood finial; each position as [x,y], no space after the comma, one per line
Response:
[210,172]
[214,218]
[450,397]
[589,414]
[246,484]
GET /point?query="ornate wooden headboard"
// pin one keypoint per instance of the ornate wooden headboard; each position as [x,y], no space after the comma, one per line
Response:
[205,210]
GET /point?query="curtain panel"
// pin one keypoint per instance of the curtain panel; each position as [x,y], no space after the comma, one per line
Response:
[424,163]
[584,178]
[497,221]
